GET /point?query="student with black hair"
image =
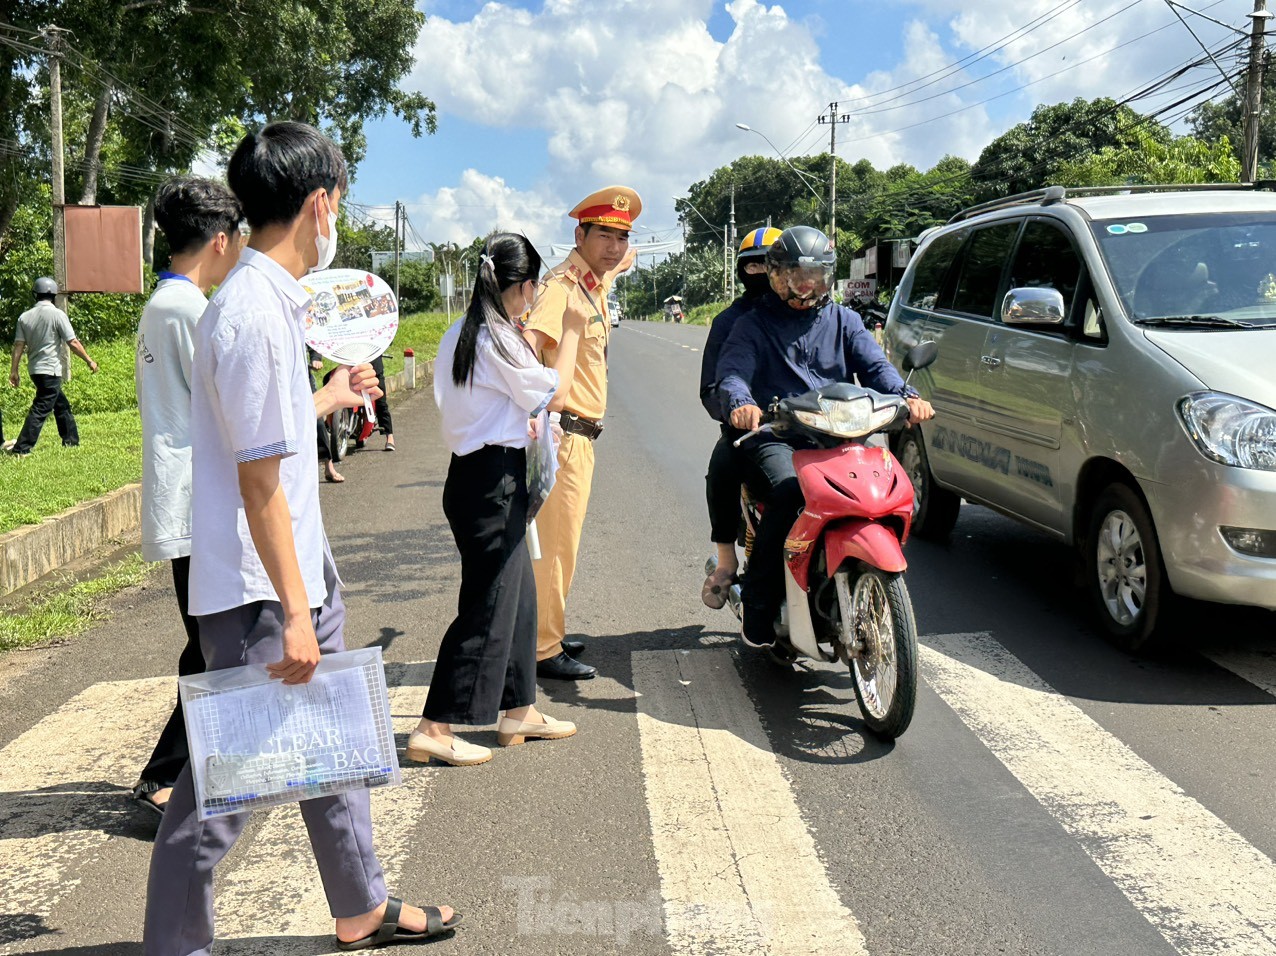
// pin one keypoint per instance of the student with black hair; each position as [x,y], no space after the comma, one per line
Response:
[200,219]
[263,584]
[490,388]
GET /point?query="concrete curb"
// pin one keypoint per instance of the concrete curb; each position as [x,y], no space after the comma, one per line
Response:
[29,553]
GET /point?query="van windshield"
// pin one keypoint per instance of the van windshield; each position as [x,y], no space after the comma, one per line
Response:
[1194,271]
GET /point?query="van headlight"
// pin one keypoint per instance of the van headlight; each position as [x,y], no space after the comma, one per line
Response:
[849,419]
[1231,430]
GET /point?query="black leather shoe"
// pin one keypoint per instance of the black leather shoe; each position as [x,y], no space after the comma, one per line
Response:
[562,667]
[574,648]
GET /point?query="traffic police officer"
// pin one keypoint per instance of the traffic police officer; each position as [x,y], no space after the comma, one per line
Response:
[580,285]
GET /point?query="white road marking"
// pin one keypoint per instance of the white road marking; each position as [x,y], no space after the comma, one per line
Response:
[64,783]
[1207,890]
[277,890]
[1256,666]
[739,871]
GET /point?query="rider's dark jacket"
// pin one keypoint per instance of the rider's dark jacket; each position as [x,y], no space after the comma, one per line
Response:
[719,330]
[775,351]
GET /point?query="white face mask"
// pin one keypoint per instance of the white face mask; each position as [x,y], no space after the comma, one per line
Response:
[326,245]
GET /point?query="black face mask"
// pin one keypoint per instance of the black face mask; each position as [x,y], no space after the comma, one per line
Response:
[755,285]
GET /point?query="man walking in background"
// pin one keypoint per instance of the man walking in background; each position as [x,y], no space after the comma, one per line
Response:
[41,332]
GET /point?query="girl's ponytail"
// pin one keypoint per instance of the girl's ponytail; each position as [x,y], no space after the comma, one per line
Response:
[506,260]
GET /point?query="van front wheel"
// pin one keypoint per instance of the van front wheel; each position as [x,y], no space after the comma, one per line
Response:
[935,509]
[1124,572]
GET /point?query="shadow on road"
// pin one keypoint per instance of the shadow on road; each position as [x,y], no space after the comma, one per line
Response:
[808,711]
[998,577]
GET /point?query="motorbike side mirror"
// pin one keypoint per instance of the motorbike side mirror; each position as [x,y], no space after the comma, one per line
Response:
[921,356]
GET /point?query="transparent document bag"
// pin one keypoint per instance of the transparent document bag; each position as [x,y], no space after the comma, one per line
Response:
[256,742]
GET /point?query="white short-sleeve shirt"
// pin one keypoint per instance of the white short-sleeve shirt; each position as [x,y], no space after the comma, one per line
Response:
[251,399]
[494,407]
[162,369]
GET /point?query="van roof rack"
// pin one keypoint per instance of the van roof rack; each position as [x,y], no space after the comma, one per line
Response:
[1051,195]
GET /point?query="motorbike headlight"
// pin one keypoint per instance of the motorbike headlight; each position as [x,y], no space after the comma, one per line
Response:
[1231,430]
[850,419]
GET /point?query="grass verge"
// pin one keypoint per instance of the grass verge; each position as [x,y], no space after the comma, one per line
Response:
[61,611]
[110,452]
[54,478]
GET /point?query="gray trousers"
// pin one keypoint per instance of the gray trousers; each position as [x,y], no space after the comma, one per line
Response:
[179,895]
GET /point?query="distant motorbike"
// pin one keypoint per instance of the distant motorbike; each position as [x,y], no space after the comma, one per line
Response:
[843,559]
[346,427]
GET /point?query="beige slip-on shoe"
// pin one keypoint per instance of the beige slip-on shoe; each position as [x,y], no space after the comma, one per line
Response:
[423,748]
[511,733]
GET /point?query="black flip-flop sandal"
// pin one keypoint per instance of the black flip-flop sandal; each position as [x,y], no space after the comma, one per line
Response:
[144,796]
[390,932]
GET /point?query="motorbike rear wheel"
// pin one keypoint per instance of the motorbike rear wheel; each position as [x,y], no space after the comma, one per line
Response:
[341,427]
[879,628]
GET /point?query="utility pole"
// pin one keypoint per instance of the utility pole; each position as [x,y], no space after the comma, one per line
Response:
[397,244]
[1254,89]
[731,251]
[833,118]
[726,260]
[53,38]
[684,256]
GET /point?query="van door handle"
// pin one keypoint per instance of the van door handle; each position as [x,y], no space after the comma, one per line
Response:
[991,361]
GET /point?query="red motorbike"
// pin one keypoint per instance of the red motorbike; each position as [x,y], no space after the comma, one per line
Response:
[844,557]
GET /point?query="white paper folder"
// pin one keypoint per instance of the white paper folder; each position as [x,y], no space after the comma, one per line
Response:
[256,742]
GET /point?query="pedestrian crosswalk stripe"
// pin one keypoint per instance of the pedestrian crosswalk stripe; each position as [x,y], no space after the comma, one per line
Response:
[59,780]
[1255,666]
[1205,888]
[739,870]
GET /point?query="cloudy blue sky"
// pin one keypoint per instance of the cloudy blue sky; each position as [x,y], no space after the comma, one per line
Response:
[542,101]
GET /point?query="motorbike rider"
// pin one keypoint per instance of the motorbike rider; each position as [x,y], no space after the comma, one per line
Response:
[723,480]
[794,340]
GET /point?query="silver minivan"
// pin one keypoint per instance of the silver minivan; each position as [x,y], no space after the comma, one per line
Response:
[1107,374]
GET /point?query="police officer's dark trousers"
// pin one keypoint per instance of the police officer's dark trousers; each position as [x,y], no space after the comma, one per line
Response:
[49,397]
[487,659]
[769,473]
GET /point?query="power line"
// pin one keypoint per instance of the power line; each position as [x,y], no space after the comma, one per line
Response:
[986,52]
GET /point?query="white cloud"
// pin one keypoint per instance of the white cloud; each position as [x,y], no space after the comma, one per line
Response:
[639,91]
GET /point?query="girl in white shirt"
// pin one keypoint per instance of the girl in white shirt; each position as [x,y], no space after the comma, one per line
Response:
[490,387]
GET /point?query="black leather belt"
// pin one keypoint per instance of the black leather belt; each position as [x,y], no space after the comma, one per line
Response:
[575,424]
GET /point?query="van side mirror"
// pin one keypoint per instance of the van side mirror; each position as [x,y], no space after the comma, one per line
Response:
[1033,306]
[920,356]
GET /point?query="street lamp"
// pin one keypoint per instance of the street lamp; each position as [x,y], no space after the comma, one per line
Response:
[801,175]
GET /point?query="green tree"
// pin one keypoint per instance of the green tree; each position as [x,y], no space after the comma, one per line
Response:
[1180,161]
[1212,121]
[150,86]
[356,241]
[1030,155]
[419,288]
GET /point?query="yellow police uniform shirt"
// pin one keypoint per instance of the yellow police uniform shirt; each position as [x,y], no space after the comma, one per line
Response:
[570,287]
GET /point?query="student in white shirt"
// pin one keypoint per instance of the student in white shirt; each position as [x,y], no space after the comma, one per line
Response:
[263,583]
[489,386]
[200,219]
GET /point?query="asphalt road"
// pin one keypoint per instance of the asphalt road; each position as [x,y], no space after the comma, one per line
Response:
[1053,796]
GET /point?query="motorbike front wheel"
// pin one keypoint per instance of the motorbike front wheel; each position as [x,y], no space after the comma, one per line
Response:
[879,629]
